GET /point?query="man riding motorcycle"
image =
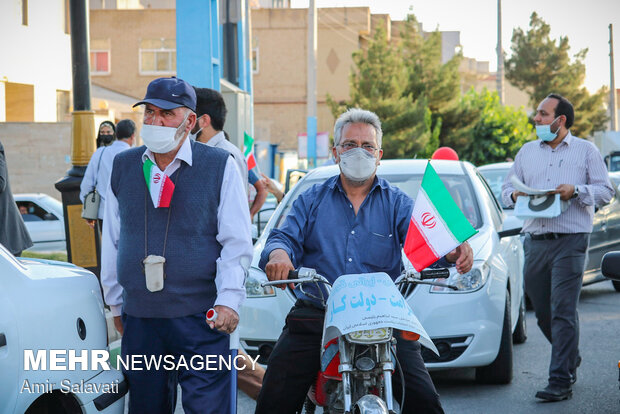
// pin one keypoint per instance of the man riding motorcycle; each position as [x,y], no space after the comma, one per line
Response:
[352,223]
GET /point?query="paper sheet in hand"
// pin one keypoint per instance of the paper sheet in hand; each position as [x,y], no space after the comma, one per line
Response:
[519,186]
[369,301]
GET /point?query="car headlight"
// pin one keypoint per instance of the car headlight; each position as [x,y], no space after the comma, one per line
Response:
[370,335]
[253,289]
[467,282]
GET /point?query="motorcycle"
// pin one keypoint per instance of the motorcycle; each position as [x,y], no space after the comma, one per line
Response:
[358,355]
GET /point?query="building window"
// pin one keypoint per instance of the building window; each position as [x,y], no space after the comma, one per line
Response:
[255,60]
[99,62]
[24,12]
[100,57]
[158,56]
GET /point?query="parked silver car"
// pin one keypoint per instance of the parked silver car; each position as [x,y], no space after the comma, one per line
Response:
[48,308]
[44,220]
[606,225]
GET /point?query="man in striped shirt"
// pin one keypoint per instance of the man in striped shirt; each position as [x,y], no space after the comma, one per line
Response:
[555,248]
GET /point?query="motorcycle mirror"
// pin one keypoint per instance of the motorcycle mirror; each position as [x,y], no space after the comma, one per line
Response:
[610,265]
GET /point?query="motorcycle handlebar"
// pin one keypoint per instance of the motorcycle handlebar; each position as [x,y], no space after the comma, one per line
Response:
[434,274]
[409,277]
[307,276]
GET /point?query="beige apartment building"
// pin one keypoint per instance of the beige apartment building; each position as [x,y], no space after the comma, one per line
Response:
[280,46]
[129,48]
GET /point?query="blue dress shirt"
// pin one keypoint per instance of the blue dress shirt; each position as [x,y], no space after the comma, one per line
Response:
[322,231]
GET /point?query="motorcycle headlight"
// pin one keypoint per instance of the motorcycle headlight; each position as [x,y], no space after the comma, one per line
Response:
[370,335]
[253,289]
[467,282]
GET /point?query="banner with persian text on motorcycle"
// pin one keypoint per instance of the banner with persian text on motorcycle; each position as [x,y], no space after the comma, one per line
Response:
[369,301]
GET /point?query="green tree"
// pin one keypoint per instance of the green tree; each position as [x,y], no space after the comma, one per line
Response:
[540,65]
[427,76]
[378,84]
[485,131]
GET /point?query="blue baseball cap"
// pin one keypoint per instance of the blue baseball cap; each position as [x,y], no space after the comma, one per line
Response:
[170,93]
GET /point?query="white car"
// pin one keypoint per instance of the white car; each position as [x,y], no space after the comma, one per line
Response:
[472,327]
[52,308]
[44,219]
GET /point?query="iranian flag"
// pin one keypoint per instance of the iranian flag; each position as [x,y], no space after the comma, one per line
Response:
[437,224]
[159,184]
[248,145]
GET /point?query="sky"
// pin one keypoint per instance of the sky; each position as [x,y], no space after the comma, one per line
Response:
[584,22]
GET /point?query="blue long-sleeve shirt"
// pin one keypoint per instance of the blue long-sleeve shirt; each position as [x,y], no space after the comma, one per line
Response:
[322,231]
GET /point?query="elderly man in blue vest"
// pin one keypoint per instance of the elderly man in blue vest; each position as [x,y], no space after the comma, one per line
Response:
[175,240]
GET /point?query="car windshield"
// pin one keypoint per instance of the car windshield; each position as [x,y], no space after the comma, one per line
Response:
[458,185]
[495,178]
[614,163]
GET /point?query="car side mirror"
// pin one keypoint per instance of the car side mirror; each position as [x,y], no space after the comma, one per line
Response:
[509,232]
[49,217]
[610,265]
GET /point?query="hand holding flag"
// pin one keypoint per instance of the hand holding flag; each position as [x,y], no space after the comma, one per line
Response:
[437,225]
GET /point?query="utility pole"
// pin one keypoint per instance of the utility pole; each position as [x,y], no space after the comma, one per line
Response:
[82,241]
[613,104]
[311,123]
[500,55]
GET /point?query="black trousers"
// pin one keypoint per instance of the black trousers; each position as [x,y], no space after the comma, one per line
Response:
[295,362]
[553,274]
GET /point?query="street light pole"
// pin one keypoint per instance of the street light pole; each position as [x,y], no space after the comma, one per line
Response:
[613,97]
[311,123]
[82,241]
[500,55]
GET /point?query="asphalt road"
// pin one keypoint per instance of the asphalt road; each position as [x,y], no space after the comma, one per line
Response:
[596,390]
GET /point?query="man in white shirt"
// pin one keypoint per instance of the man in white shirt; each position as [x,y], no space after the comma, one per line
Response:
[209,129]
[176,242]
[99,168]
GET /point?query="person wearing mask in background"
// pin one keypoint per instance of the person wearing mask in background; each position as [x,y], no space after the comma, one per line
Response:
[106,134]
[13,233]
[209,129]
[555,248]
[97,175]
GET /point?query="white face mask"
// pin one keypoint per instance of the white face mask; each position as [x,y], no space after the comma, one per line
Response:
[161,139]
[194,136]
[357,164]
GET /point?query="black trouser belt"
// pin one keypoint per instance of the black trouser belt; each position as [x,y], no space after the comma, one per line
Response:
[549,236]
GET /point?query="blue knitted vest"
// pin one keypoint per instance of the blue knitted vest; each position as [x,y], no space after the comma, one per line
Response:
[191,249]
